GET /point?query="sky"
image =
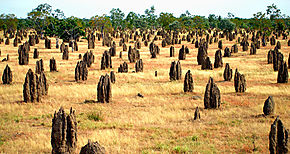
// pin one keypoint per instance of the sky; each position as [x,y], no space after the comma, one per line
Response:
[89,8]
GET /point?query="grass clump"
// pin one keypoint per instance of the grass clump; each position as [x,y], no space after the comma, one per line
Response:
[95,116]
[194,138]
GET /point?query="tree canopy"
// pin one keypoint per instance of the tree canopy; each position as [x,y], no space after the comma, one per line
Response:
[53,22]
[8,22]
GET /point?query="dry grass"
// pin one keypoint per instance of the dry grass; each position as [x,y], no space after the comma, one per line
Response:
[158,123]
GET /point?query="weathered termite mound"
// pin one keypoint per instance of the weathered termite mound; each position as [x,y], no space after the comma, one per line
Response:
[15,42]
[47,43]
[220,44]
[253,50]
[272,40]
[65,54]
[240,82]
[206,65]
[31,40]
[35,54]
[133,55]
[62,47]
[182,53]
[227,52]
[289,61]
[52,65]
[75,46]
[139,66]
[34,87]
[112,77]
[212,98]
[278,138]
[218,61]
[154,50]
[228,73]
[270,56]
[278,45]
[7,42]
[23,54]
[172,51]
[106,61]
[7,76]
[81,71]
[283,73]
[269,106]
[234,49]
[104,89]
[196,114]
[89,58]
[92,148]
[175,71]
[91,41]
[112,50]
[123,68]
[188,82]
[201,55]
[39,66]
[64,132]
[124,47]
[278,59]
[138,44]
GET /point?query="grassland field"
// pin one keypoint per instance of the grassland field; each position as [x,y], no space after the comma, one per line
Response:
[161,122]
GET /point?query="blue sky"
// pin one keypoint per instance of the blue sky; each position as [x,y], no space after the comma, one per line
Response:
[89,8]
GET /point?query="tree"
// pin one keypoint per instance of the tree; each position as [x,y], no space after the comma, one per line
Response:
[278,20]
[240,23]
[273,11]
[165,19]
[230,15]
[227,25]
[141,22]
[175,25]
[261,22]
[200,22]
[53,23]
[72,28]
[8,23]
[287,23]
[131,20]
[101,23]
[53,26]
[213,20]
[58,14]
[243,24]
[186,22]
[219,18]
[186,14]
[38,17]
[23,24]
[117,17]
[151,17]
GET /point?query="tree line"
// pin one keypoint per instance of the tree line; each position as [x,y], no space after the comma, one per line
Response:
[48,22]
